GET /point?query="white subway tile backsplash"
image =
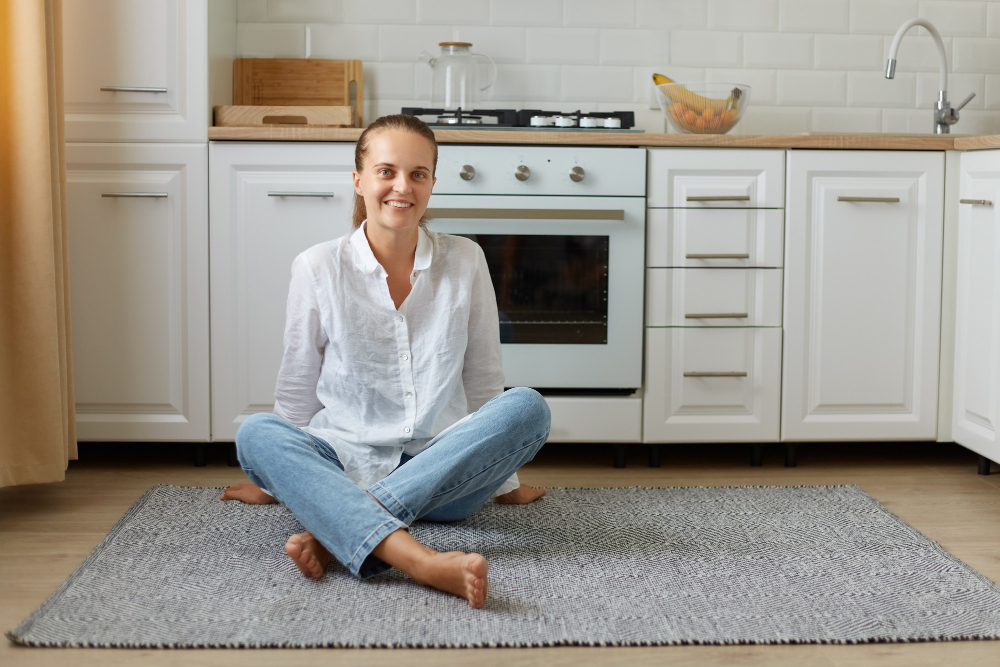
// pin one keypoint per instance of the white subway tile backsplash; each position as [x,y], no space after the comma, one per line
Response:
[881,17]
[527,82]
[267,40]
[305,11]
[993,20]
[992,91]
[762,82]
[706,49]
[348,42]
[810,88]
[778,51]
[563,45]
[381,12]
[422,84]
[504,45]
[956,19]
[403,43]
[977,122]
[672,14]
[251,11]
[775,120]
[976,55]
[390,80]
[959,87]
[756,15]
[814,16]
[846,120]
[599,13]
[849,52]
[917,53]
[526,12]
[634,47]
[907,121]
[453,12]
[582,83]
[872,89]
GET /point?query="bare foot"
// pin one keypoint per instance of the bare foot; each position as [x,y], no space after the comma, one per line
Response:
[309,555]
[522,495]
[457,573]
[248,493]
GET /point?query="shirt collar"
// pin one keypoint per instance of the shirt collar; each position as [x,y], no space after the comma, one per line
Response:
[364,258]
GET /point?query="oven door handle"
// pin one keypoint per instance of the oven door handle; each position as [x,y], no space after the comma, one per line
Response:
[527,213]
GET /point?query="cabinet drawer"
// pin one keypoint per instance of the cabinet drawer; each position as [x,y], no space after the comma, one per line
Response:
[714,385]
[722,297]
[700,238]
[715,178]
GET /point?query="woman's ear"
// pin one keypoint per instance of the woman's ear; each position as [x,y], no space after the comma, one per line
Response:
[357,183]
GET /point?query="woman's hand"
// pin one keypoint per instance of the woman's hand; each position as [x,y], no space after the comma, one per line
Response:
[522,495]
[248,493]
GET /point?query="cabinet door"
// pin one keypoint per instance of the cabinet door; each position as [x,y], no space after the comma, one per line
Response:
[138,260]
[712,385]
[862,295]
[976,411]
[135,71]
[269,202]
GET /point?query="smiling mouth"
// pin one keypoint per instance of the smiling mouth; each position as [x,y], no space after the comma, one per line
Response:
[398,204]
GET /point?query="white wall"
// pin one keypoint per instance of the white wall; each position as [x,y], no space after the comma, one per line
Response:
[814,65]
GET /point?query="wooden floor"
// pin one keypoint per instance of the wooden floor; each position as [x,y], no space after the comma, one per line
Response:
[46,531]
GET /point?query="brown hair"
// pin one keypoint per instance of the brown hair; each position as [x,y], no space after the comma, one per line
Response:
[404,122]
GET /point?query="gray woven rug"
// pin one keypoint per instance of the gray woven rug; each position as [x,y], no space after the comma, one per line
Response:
[633,566]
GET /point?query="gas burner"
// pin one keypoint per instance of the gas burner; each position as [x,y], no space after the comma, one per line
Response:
[459,117]
[460,120]
[527,119]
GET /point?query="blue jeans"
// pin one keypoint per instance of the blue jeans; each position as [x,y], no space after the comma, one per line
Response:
[446,482]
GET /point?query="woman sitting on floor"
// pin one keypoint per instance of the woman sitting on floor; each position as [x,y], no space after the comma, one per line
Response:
[389,404]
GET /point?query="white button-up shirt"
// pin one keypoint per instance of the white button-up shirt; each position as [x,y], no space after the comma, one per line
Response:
[373,381]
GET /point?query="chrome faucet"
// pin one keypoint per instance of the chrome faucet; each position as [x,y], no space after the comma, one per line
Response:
[944,115]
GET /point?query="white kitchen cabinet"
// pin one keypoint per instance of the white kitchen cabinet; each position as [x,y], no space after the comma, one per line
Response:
[137,219]
[976,394]
[715,238]
[713,297]
[710,178]
[269,202]
[862,295]
[156,46]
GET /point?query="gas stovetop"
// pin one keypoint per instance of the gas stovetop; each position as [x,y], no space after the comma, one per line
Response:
[526,119]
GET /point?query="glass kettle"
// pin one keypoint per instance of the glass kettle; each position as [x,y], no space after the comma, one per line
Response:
[457,78]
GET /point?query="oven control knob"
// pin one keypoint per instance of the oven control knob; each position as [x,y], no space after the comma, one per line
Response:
[467,172]
[576,174]
[522,173]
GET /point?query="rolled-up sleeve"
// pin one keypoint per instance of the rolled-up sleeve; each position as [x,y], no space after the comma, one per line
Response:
[295,398]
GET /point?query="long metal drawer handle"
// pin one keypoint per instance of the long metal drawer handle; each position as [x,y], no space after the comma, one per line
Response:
[527,213]
[707,374]
[978,202]
[738,255]
[132,89]
[719,198]
[152,195]
[706,316]
[884,200]
[299,194]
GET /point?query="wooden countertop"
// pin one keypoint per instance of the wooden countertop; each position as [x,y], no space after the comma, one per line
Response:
[918,142]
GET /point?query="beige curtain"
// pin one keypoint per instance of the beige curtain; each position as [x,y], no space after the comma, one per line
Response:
[37,421]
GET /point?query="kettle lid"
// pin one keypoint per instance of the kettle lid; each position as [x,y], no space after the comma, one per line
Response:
[454,43]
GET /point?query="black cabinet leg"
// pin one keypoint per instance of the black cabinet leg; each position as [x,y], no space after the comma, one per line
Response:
[654,456]
[619,456]
[199,456]
[984,465]
[756,455]
[791,457]
[233,459]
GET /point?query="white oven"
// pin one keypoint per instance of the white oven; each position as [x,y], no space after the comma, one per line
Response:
[563,231]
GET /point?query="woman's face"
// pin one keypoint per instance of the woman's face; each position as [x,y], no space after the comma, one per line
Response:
[396,179]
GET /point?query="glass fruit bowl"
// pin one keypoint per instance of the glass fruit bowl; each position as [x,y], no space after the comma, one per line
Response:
[703,108]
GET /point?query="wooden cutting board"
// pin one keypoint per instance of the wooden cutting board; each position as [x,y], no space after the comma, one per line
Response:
[312,82]
[255,116]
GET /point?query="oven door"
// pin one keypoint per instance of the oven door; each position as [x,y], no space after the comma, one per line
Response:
[568,276]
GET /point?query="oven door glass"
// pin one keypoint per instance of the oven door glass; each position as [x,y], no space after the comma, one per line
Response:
[550,289]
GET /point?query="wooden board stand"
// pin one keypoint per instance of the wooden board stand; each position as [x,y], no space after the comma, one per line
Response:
[308,82]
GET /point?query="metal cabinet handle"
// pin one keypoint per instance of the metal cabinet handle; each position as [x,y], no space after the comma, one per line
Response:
[132,89]
[719,198]
[152,195]
[976,202]
[709,374]
[884,200]
[299,194]
[738,255]
[707,316]
[527,213]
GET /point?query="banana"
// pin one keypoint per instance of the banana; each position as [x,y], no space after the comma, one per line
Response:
[694,101]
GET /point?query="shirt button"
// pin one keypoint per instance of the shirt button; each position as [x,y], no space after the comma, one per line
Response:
[400,318]
[408,394]
[406,430]
[405,357]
